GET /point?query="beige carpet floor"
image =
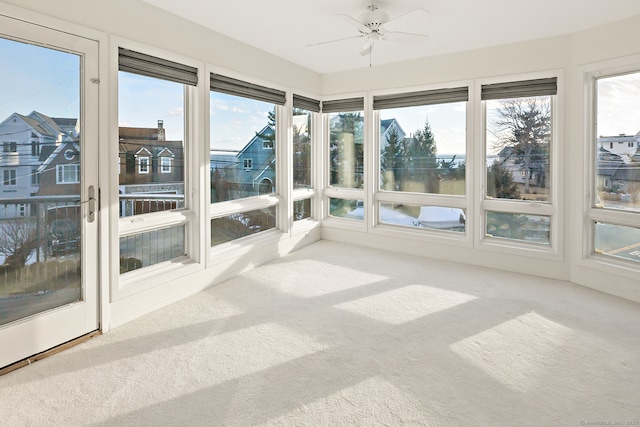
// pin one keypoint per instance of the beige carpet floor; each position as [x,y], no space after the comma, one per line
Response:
[339,335]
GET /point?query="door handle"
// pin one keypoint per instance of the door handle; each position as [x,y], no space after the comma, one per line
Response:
[92,204]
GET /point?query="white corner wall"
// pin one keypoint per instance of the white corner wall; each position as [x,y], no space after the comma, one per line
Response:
[567,53]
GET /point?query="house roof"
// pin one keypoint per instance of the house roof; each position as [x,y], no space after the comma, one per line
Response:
[384,124]
[45,152]
[56,152]
[153,146]
[627,172]
[267,130]
[150,134]
[61,121]
[38,126]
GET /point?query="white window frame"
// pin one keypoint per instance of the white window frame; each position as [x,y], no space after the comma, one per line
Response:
[9,147]
[552,209]
[330,191]
[35,176]
[9,178]
[315,162]
[247,164]
[143,165]
[166,164]
[593,213]
[61,173]
[229,250]
[425,199]
[163,273]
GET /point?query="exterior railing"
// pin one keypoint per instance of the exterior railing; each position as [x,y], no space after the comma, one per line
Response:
[135,204]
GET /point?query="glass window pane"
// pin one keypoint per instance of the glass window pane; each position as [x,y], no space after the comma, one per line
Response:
[346,151]
[242,224]
[301,209]
[151,126]
[346,208]
[242,157]
[518,147]
[151,247]
[302,148]
[423,149]
[617,241]
[527,228]
[416,216]
[618,143]
[40,224]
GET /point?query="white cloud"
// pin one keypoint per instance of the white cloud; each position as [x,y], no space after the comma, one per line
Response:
[176,112]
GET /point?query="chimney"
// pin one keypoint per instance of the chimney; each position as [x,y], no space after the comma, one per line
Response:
[160,130]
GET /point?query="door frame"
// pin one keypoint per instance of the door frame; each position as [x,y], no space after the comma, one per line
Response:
[51,328]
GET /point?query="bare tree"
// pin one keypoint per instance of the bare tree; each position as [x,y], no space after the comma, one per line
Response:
[525,125]
[18,239]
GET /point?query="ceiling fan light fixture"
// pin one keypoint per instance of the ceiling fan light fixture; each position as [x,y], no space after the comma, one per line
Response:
[371,27]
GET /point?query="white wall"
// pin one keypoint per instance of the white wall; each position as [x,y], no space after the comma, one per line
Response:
[539,55]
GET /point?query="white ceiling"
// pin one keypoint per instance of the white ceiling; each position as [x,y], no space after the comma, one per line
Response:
[284,28]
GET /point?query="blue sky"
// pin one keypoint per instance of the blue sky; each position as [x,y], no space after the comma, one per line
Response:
[447,122]
[234,120]
[34,78]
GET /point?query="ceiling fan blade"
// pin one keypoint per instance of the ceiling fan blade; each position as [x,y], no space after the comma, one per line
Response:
[334,41]
[414,18]
[361,27]
[367,48]
[402,37]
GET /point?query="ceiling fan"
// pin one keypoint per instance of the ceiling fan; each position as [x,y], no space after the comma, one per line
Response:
[374,26]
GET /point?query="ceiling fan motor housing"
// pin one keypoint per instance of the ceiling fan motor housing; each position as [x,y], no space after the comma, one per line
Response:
[374,19]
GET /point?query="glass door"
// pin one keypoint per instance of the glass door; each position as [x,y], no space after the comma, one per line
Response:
[48,188]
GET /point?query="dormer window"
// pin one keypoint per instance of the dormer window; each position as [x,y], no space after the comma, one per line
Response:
[165,164]
[143,165]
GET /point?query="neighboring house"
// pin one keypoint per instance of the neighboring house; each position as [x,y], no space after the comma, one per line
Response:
[622,145]
[149,167]
[145,157]
[618,164]
[250,171]
[255,167]
[60,170]
[606,167]
[511,161]
[387,128]
[23,140]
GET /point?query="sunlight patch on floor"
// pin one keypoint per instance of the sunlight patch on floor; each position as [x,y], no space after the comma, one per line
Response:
[405,304]
[325,279]
[518,352]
